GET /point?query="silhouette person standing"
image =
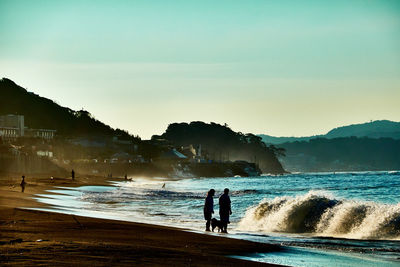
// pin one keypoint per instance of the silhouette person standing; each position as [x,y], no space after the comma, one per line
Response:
[209,208]
[73,174]
[225,210]
[23,183]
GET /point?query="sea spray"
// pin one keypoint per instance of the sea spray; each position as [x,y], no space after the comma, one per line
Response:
[336,220]
[321,214]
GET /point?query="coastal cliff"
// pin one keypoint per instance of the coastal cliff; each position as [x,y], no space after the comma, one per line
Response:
[220,143]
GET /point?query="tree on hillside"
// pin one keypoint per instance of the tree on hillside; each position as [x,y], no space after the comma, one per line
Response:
[222,143]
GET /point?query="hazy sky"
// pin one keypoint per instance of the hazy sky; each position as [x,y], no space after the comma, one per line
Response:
[277,67]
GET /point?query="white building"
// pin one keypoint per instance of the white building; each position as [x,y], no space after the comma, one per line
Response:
[40,133]
[13,126]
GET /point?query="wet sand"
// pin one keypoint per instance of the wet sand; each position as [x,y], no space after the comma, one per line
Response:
[29,237]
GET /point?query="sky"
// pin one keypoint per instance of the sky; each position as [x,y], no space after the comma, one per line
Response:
[283,68]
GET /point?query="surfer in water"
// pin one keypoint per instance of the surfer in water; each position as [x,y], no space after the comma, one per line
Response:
[23,183]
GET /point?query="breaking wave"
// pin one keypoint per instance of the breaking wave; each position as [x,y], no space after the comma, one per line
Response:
[321,214]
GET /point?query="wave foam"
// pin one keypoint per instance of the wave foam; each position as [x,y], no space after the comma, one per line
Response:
[321,214]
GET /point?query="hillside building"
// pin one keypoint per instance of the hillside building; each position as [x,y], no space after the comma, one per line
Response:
[13,126]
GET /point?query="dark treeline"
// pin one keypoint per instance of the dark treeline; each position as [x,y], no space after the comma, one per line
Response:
[219,142]
[43,113]
[343,154]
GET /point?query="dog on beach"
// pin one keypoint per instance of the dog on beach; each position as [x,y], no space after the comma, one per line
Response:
[216,223]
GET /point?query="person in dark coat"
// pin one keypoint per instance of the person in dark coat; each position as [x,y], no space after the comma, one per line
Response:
[23,183]
[209,208]
[225,210]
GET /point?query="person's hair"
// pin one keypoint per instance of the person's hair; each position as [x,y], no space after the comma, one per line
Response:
[211,192]
[226,190]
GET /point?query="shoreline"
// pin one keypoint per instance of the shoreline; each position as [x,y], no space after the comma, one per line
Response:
[41,237]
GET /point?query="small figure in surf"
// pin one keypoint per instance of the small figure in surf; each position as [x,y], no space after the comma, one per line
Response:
[225,210]
[23,183]
[209,208]
[73,174]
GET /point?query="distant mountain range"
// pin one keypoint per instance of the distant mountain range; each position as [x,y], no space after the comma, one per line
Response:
[359,147]
[373,129]
[342,154]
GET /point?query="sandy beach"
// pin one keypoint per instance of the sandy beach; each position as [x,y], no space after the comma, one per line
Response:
[30,237]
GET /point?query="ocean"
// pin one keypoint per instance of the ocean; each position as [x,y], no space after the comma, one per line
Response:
[320,219]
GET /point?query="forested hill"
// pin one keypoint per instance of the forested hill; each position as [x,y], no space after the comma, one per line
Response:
[373,129]
[44,113]
[222,143]
[342,154]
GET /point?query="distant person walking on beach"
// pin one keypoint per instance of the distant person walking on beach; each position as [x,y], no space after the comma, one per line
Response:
[23,183]
[73,174]
[209,208]
[225,210]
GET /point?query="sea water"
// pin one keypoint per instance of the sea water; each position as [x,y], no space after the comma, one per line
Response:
[320,219]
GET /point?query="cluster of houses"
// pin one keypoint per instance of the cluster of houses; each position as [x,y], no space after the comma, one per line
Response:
[172,155]
[189,153]
[13,127]
[125,154]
